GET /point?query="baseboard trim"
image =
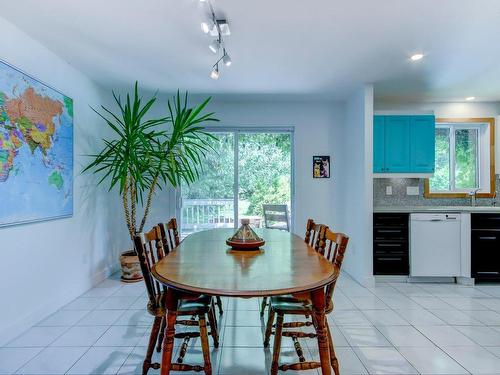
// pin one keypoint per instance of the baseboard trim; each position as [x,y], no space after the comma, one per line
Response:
[51,306]
[391,278]
[468,281]
[431,279]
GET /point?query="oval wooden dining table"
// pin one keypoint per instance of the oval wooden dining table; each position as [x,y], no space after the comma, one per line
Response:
[204,264]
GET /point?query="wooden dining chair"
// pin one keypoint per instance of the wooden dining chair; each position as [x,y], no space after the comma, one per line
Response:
[335,245]
[149,248]
[312,238]
[170,239]
[276,216]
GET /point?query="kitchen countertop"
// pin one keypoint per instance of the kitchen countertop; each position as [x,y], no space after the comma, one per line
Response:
[411,209]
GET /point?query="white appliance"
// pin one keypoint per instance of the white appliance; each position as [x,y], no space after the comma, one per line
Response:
[435,244]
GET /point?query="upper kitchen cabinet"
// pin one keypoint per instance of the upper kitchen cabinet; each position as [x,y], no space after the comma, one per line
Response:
[404,144]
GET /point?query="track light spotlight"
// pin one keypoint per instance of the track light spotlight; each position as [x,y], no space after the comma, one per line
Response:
[205,27]
[214,46]
[226,59]
[215,72]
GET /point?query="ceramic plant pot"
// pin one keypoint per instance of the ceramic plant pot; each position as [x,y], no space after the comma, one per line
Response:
[131,268]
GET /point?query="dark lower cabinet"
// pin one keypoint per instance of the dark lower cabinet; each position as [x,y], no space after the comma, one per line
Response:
[390,244]
[485,246]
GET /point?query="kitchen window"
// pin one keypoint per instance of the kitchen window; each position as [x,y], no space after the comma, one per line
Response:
[464,159]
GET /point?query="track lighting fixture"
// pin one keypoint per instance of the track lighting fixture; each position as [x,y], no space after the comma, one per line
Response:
[214,46]
[226,59]
[218,28]
[215,72]
[205,27]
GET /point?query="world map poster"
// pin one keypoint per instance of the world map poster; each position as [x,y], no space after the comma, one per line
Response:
[36,150]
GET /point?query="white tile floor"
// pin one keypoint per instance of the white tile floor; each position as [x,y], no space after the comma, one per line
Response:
[393,328]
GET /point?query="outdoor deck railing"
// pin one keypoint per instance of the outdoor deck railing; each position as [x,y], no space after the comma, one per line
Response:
[200,214]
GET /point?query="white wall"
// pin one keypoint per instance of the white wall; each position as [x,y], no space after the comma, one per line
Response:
[456,110]
[47,264]
[356,187]
[316,126]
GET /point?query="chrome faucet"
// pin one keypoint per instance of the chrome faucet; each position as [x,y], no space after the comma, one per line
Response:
[473,194]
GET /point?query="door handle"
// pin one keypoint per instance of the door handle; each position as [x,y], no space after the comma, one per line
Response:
[490,238]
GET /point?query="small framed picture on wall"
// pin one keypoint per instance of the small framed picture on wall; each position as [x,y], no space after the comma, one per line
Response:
[321,166]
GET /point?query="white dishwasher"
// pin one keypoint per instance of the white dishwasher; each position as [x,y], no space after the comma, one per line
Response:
[435,244]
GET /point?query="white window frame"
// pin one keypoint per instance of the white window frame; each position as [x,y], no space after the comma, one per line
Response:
[483,175]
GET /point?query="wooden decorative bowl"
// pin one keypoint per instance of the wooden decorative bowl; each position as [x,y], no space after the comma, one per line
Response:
[245,245]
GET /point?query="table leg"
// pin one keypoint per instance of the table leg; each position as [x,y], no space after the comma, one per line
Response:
[318,300]
[168,341]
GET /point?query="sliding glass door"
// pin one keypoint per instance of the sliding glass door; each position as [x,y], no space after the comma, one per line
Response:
[246,169]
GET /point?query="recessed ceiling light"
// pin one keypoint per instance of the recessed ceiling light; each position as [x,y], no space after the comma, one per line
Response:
[417,57]
[469,98]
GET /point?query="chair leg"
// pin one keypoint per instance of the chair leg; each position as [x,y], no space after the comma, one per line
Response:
[263,306]
[163,325]
[215,315]
[333,358]
[277,344]
[213,327]
[152,343]
[204,345]
[219,304]
[269,327]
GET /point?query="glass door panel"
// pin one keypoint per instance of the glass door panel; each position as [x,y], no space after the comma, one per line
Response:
[264,168]
[209,202]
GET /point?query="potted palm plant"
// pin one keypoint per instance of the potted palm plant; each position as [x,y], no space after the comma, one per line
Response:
[146,154]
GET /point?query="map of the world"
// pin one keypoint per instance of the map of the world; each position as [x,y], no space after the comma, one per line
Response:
[36,150]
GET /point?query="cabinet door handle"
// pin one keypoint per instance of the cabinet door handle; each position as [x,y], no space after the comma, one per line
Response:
[391,259]
[390,244]
[389,230]
[490,238]
[488,272]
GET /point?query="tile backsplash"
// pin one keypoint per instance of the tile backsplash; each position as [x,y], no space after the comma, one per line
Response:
[400,198]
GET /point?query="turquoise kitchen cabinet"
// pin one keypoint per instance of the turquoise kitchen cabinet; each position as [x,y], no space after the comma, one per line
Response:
[397,144]
[378,144]
[403,144]
[422,144]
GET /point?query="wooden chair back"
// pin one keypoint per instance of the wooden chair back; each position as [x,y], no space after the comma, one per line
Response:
[276,216]
[149,250]
[335,245]
[169,235]
[312,237]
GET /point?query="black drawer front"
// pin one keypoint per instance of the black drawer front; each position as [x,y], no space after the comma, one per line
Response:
[390,244]
[390,248]
[485,260]
[390,265]
[389,233]
[485,221]
[390,220]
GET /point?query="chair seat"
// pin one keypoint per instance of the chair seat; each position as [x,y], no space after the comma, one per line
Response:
[196,306]
[290,305]
[199,305]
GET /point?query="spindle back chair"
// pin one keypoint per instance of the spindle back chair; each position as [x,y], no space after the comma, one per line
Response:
[150,250]
[332,246]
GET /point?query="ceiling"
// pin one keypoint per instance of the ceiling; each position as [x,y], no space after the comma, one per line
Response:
[321,48]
